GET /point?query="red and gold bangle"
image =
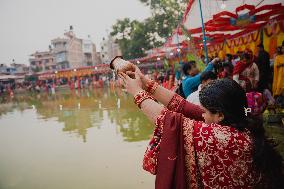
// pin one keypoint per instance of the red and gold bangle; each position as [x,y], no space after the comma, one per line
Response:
[151,86]
[141,96]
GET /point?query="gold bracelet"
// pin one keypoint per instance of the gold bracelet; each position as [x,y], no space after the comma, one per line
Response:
[141,96]
[151,86]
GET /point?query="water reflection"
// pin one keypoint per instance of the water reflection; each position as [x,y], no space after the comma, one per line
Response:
[80,110]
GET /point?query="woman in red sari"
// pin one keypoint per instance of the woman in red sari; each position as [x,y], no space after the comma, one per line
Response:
[216,146]
[246,72]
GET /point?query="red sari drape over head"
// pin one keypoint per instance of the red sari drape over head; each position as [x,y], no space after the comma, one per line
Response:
[187,153]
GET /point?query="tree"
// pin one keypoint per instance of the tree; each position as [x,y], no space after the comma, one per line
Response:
[135,37]
[166,15]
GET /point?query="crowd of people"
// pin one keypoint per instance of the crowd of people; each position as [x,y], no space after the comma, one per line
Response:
[208,128]
[262,79]
[50,85]
[254,72]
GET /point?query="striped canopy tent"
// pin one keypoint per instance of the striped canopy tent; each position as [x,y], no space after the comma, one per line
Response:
[75,72]
[232,25]
[45,75]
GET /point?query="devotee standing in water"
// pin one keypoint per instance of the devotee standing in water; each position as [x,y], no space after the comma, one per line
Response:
[217,145]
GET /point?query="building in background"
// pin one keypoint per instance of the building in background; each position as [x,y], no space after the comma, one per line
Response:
[14,69]
[90,55]
[3,69]
[98,58]
[65,53]
[42,61]
[109,49]
[20,69]
[73,52]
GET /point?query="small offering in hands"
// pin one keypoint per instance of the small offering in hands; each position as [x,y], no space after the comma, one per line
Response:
[120,65]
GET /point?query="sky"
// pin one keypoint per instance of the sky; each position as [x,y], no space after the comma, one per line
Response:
[27,26]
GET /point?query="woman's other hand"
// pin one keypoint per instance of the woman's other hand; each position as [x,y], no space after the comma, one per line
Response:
[143,78]
[133,86]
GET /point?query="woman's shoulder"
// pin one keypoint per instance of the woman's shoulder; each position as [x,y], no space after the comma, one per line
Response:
[220,134]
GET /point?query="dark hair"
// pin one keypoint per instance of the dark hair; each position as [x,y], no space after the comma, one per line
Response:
[187,66]
[227,97]
[208,75]
[260,45]
[230,57]
[246,56]
[279,50]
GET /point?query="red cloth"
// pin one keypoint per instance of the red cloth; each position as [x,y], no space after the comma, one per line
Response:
[240,67]
[256,102]
[192,154]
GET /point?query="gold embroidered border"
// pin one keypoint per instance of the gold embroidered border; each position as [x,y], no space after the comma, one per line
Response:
[174,104]
[188,128]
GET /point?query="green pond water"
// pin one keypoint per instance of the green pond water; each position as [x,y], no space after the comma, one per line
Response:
[81,140]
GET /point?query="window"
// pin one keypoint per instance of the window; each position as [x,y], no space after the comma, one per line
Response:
[61,57]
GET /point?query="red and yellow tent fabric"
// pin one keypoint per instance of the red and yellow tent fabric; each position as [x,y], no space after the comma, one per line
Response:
[235,28]
[76,72]
[238,27]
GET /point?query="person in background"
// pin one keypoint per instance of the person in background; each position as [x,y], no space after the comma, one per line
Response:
[203,59]
[227,71]
[278,51]
[192,76]
[170,82]
[278,79]
[81,83]
[246,72]
[228,66]
[237,58]
[72,83]
[265,72]
[101,82]
[206,77]
[53,86]
[87,82]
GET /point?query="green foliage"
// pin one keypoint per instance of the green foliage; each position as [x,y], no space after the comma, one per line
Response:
[135,37]
[37,69]
[192,57]
[31,78]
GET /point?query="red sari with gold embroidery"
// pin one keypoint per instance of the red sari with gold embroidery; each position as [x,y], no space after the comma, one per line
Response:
[187,153]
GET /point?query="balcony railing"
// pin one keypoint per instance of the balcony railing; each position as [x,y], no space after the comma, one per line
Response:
[59,49]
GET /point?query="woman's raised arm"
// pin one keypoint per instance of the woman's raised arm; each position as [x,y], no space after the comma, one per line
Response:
[170,99]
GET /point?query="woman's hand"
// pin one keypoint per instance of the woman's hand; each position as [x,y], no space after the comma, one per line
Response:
[133,86]
[143,78]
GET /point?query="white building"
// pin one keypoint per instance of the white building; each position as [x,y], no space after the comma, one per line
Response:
[109,49]
[73,52]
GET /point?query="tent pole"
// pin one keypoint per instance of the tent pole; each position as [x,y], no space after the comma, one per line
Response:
[203,31]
